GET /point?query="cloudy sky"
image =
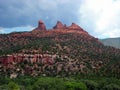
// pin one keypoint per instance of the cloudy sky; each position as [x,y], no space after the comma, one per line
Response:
[101,18]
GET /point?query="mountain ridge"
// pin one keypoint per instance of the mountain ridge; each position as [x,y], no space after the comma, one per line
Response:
[61,51]
[114,42]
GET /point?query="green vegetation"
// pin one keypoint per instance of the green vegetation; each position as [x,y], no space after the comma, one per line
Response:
[54,83]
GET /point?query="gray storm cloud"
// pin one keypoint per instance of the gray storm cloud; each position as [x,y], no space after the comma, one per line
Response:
[28,12]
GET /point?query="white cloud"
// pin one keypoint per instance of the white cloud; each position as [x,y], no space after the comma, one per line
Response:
[113,33]
[2,30]
[102,17]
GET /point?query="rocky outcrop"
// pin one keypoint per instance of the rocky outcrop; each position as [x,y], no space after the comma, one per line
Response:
[59,25]
[76,29]
[41,26]
[74,26]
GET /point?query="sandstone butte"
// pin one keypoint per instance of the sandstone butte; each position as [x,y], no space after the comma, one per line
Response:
[59,28]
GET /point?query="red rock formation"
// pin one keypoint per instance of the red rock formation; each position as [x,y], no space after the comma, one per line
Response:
[74,26]
[59,25]
[41,26]
[77,28]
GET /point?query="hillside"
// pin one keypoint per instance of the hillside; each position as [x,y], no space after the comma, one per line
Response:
[61,51]
[114,42]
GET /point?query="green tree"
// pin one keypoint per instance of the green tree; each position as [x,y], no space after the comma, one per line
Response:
[13,86]
[49,84]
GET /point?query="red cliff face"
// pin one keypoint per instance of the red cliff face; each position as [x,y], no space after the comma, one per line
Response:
[41,26]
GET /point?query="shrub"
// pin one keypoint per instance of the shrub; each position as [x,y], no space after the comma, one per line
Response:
[91,85]
[75,86]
